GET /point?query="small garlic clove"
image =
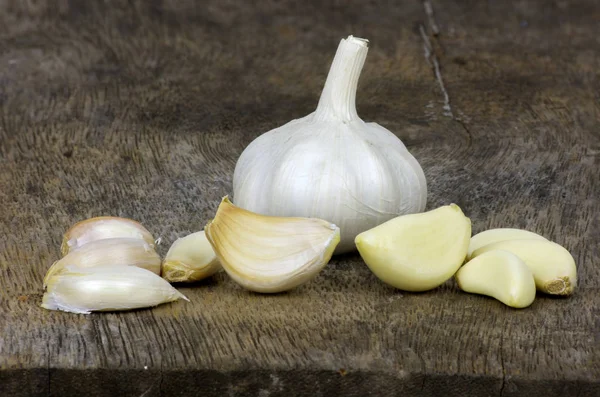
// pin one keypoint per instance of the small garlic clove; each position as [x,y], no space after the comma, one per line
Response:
[113,251]
[500,275]
[267,253]
[107,288]
[552,266]
[500,234]
[190,258]
[103,227]
[417,252]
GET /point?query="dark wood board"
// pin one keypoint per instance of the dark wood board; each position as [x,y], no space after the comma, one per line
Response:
[141,109]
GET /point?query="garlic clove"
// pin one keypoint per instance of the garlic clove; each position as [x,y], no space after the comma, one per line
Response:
[417,252]
[107,288]
[552,266]
[500,234]
[190,258]
[103,227]
[501,275]
[270,254]
[113,251]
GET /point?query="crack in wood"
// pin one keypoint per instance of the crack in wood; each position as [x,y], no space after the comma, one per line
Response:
[160,381]
[435,64]
[502,364]
[48,367]
[432,23]
[433,61]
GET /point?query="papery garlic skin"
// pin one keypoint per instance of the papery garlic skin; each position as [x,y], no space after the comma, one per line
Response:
[106,288]
[113,251]
[553,267]
[270,254]
[190,258]
[500,234]
[501,275]
[331,164]
[417,252]
[103,227]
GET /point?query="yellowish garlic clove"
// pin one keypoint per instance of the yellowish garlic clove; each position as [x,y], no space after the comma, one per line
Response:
[267,253]
[500,275]
[501,234]
[113,251]
[552,266]
[103,227]
[106,288]
[190,258]
[417,252]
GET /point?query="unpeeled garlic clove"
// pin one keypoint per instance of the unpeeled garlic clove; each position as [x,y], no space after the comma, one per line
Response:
[501,275]
[417,252]
[103,227]
[501,234]
[267,253]
[190,258]
[113,251]
[552,266]
[107,288]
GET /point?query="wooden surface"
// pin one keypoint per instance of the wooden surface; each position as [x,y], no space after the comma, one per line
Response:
[141,109]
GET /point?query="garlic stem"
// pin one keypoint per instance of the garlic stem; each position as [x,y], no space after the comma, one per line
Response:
[338,99]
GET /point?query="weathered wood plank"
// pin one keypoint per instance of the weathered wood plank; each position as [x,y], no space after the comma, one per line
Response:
[140,109]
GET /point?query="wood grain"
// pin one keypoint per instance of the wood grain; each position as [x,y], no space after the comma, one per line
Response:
[141,109]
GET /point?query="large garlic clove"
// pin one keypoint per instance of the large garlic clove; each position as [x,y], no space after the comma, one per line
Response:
[417,252]
[270,254]
[113,251]
[103,227]
[190,258]
[106,288]
[330,164]
[500,234]
[501,275]
[552,266]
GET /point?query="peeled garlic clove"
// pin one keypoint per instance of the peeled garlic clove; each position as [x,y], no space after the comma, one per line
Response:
[501,275]
[417,252]
[103,227]
[270,254]
[500,234]
[190,258]
[552,266]
[113,251]
[107,288]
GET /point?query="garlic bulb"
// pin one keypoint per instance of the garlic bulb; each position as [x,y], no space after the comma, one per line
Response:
[190,258]
[331,164]
[103,227]
[270,254]
[112,251]
[106,288]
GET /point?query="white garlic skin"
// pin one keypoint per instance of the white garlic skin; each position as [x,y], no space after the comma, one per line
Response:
[332,165]
[107,288]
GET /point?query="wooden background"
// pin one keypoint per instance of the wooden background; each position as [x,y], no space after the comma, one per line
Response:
[141,109]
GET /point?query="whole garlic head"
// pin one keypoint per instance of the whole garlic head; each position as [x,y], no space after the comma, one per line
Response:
[331,164]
